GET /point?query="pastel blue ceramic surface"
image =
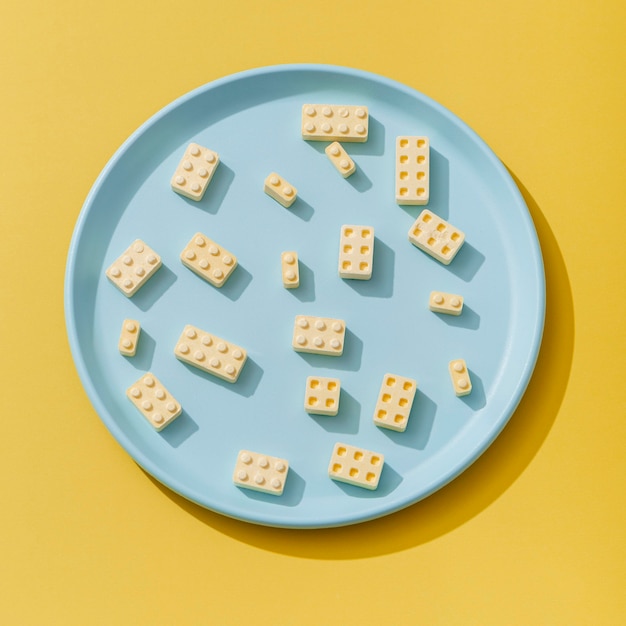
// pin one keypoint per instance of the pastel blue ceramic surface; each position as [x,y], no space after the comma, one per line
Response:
[252,120]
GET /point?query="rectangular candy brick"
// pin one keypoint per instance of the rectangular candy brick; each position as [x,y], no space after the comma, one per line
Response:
[210,353]
[208,260]
[436,237]
[412,170]
[356,252]
[394,402]
[133,268]
[356,466]
[154,401]
[318,335]
[195,171]
[260,472]
[335,122]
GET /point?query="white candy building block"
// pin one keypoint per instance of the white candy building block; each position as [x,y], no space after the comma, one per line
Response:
[459,374]
[208,260]
[412,170]
[355,466]
[279,189]
[290,269]
[260,472]
[194,172]
[356,252]
[322,395]
[436,237]
[395,400]
[129,337]
[134,267]
[318,335]
[154,401]
[448,303]
[340,159]
[334,122]
[210,353]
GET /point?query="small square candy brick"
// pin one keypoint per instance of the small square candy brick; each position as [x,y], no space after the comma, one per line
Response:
[322,395]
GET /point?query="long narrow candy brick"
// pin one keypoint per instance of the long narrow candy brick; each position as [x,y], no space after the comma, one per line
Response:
[129,336]
[340,159]
[279,189]
[461,381]
[448,303]
[290,269]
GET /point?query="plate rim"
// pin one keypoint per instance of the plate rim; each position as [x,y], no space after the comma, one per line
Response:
[269,520]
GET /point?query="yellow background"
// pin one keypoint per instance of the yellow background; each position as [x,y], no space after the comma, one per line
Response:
[532,533]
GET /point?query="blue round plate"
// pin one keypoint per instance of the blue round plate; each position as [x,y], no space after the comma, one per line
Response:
[252,120]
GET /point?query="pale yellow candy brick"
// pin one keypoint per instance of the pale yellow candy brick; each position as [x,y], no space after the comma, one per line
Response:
[154,401]
[318,335]
[208,260]
[461,381]
[412,170]
[335,122]
[260,472]
[279,189]
[210,353]
[355,466]
[356,252]
[340,159]
[322,395]
[449,303]
[436,237]
[129,336]
[195,171]
[290,269]
[395,400]
[134,267]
